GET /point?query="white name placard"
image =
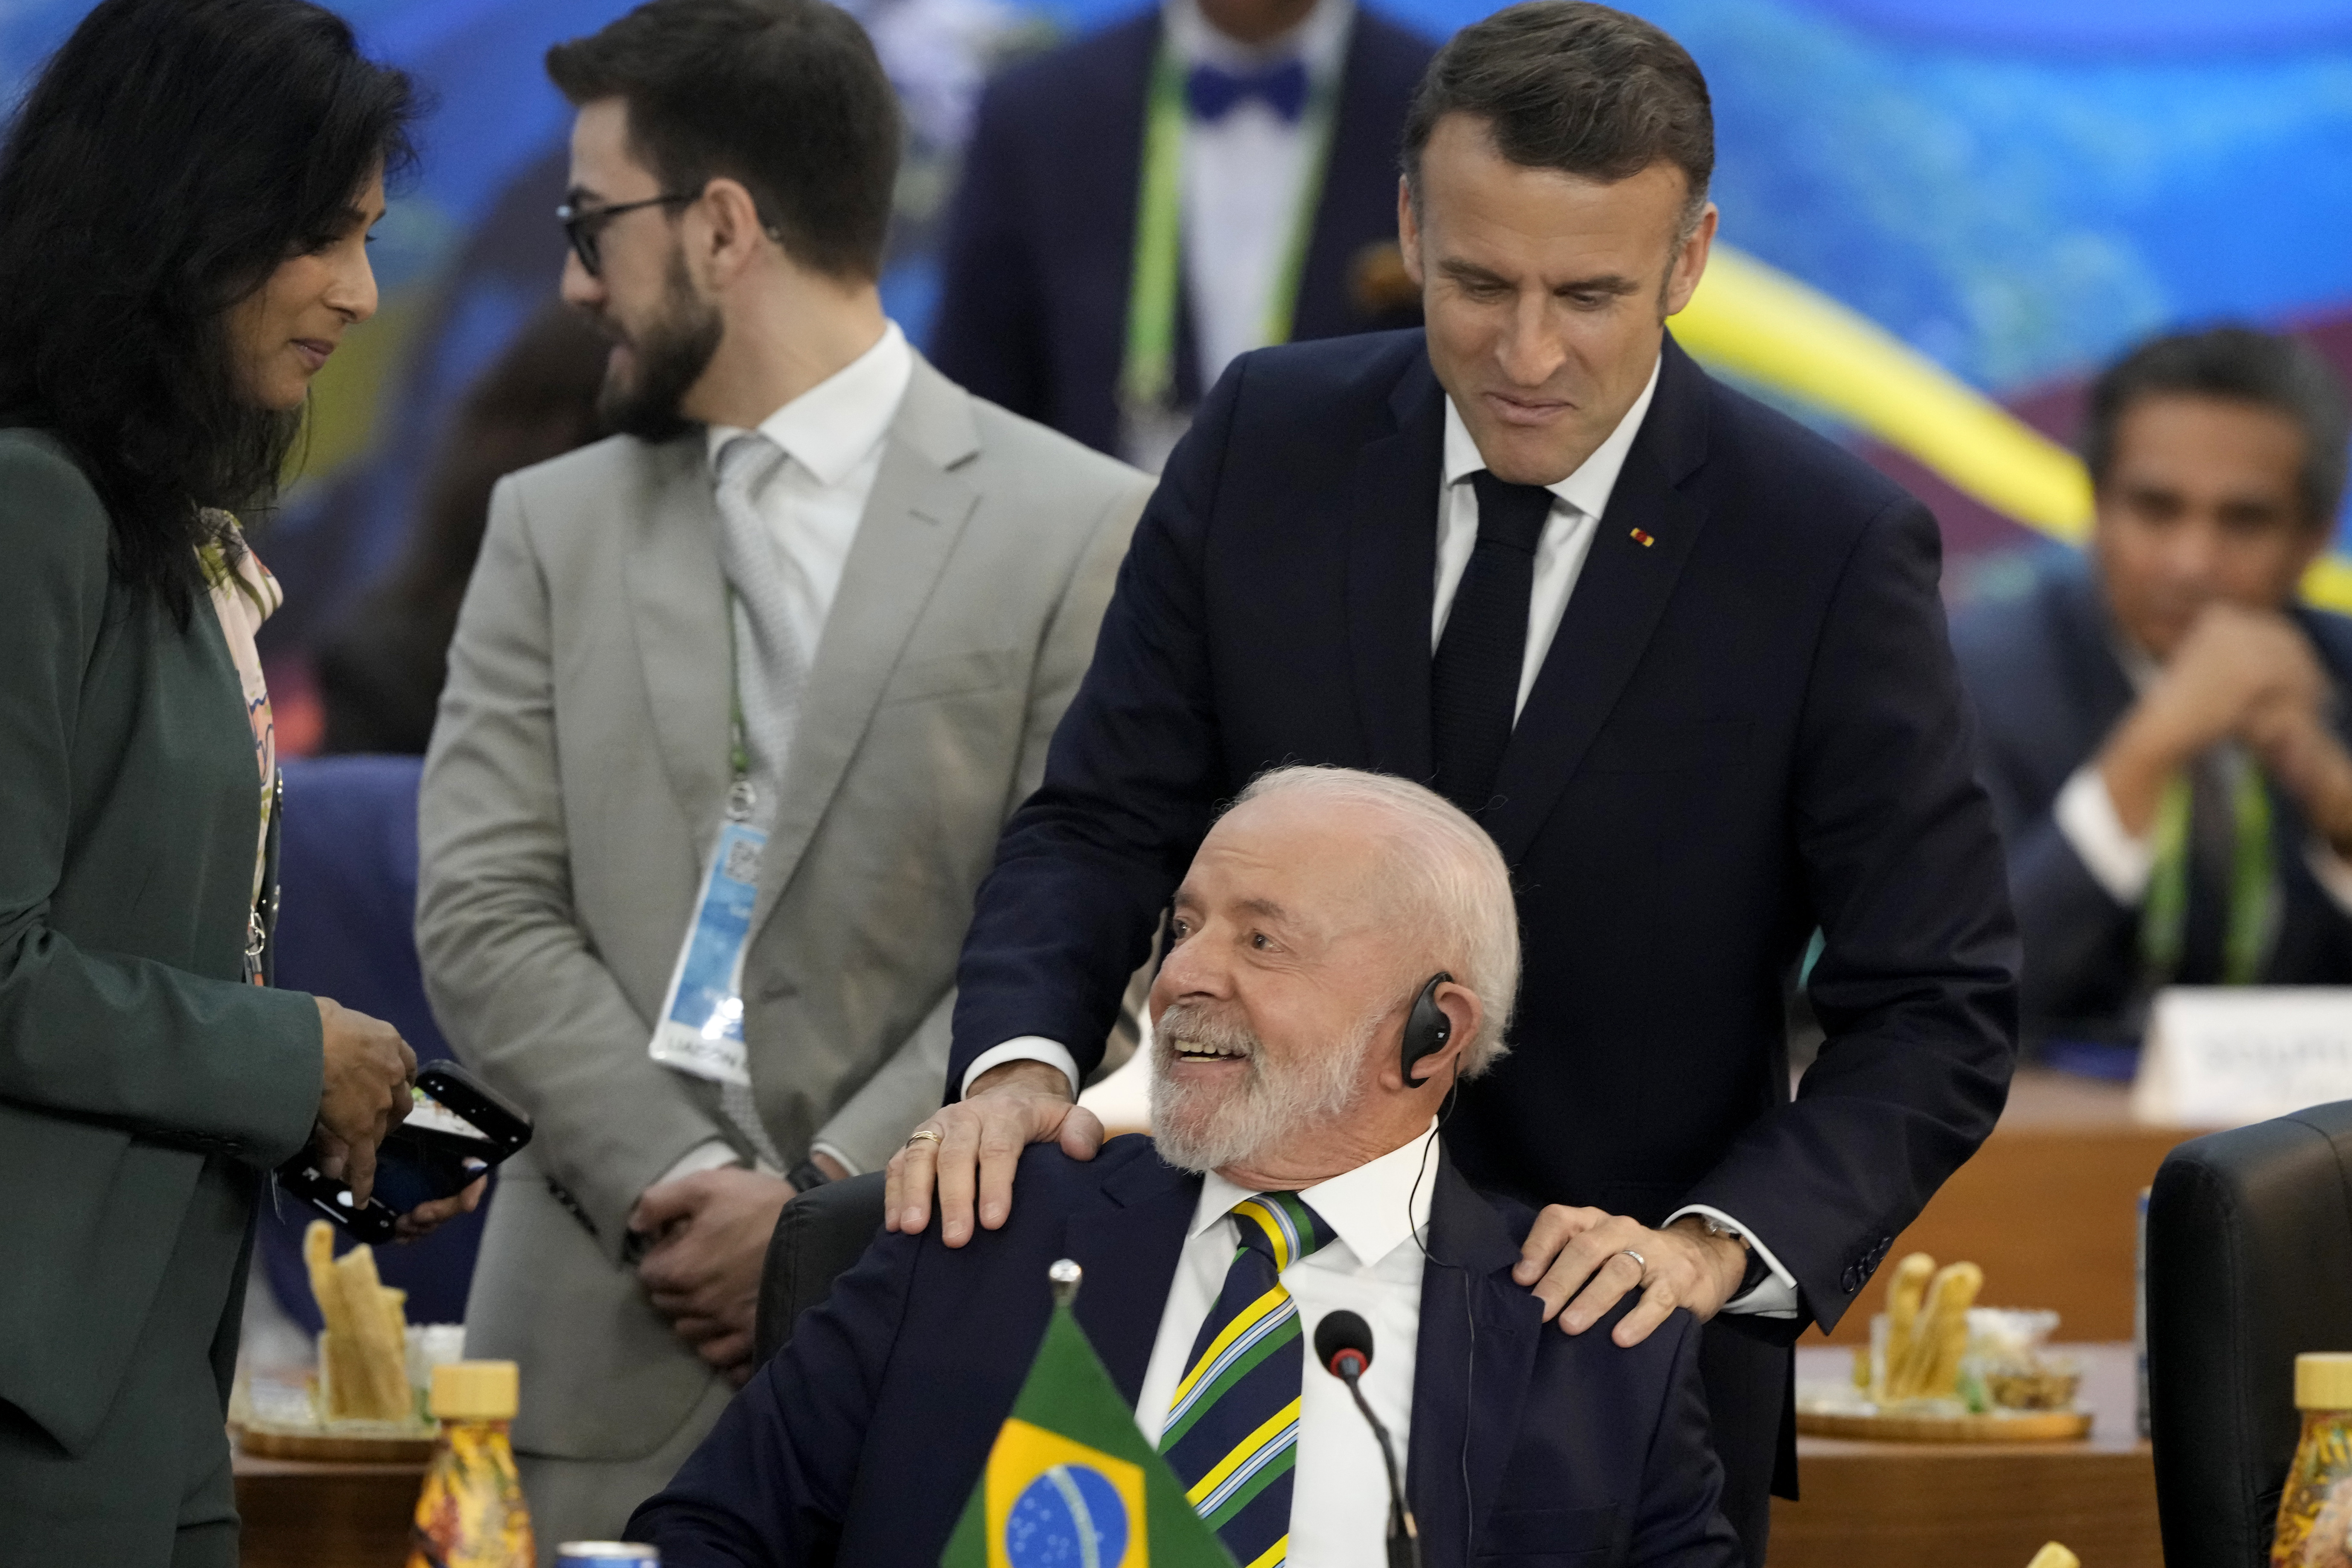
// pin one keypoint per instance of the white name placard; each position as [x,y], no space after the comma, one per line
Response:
[2226,1056]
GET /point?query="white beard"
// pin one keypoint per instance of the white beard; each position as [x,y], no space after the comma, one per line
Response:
[1201,1130]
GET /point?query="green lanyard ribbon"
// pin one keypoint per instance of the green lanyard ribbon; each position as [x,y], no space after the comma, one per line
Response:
[743,799]
[2253,882]
[1147,376]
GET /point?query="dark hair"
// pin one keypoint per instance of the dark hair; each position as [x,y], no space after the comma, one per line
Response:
[2236,364]
[1575,87]
[172,153]
[381,672]
[785,96]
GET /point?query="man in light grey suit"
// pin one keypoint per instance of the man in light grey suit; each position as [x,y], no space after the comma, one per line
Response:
[799,636]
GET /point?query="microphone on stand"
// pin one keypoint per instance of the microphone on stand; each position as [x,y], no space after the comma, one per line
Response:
[1343,1343]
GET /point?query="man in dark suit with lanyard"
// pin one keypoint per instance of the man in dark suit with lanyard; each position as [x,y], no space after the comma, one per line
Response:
[1141,205]
[1685,660]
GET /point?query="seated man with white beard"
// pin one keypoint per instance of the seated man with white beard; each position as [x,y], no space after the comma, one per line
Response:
[1344,951]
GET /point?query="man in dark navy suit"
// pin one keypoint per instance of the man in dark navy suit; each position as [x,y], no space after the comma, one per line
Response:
[1077,292]
[1683,659]
[2164,727]
[1343,953]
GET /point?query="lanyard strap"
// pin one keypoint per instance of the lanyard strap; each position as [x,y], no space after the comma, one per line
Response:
[2254,883]
[742,798]
[1147,376]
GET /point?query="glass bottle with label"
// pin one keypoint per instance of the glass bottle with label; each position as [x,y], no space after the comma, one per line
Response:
[2315,1521]
[471,1513]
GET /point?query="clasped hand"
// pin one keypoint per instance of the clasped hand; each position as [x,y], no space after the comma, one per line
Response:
[709,1237]
[2248,675]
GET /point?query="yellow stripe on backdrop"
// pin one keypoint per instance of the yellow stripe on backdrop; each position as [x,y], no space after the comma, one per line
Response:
[1761,324]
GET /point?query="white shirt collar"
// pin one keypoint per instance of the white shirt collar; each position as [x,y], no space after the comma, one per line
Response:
[1374,1208]
[1587,489]
[1319,41]
[836,424]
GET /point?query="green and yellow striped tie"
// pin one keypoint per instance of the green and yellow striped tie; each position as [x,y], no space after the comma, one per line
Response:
[1232,1435]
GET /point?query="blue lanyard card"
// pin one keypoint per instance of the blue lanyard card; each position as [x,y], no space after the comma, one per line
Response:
[701,1027]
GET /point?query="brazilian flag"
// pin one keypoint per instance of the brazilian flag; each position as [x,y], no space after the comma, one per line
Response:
[1070,1482]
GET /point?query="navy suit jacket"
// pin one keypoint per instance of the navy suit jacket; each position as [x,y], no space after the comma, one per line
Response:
[2048,689]
[1041,240]
[860,1442]
[1746,729]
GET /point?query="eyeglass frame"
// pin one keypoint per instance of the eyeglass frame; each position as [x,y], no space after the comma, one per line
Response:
[585,227]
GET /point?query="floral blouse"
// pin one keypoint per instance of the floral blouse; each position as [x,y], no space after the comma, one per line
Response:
[243,598]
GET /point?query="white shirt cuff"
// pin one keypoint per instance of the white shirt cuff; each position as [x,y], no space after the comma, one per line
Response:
[849,1166]
[707,1156]
[1027,1048]
[2117,860]
[1776,1297]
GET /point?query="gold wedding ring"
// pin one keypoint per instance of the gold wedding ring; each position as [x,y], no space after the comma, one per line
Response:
[922,1133]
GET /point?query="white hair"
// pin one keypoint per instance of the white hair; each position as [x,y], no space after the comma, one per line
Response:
[1452,889]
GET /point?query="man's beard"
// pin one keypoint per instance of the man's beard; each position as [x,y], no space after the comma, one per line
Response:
[1202,1128]
[669,356]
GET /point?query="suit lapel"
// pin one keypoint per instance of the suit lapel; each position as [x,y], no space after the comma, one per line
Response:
[912,520]
[1467,1389]
[678,609]
[1392,576]
[1129,1248]
[2094,668]
[1615,607]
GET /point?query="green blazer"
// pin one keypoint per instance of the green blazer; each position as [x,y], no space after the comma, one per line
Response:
[129,1049]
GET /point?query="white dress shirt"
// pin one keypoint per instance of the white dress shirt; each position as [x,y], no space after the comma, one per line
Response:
[1244,178]
[832,435]
[1339,1498]
[2122,861]
[1578,503]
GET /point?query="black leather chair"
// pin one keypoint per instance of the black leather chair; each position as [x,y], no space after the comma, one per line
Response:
[2249,1265]
[820,1234]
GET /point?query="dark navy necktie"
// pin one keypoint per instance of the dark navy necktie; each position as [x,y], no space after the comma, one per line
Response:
[1212,92]
[1474,682]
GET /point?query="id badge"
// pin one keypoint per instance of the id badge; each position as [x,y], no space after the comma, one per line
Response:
[701,1027]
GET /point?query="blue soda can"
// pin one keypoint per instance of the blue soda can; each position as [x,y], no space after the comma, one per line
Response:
[607,1555]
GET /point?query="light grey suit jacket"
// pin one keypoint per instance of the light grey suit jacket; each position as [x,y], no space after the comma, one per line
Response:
[574,790]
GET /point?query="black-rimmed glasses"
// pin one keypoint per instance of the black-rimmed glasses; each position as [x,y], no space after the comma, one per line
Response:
[584,226]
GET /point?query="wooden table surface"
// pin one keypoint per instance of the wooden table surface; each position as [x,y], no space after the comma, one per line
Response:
[300,1514]
[1976,1505]
[2047,1208]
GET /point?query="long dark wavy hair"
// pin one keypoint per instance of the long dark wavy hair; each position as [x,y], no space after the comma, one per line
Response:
[172,153]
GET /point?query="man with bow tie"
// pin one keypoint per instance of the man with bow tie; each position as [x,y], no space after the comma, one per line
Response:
[1141,206]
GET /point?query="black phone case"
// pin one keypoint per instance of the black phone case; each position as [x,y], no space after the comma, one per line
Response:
[502,1123]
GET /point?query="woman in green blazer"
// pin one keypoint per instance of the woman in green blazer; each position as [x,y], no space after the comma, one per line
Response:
[184,201]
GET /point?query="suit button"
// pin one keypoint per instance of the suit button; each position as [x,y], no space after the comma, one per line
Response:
[1850,1280]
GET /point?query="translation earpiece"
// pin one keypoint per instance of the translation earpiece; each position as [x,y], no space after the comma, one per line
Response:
[1427,1028]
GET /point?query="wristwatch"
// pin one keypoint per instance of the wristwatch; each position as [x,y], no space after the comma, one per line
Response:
[1758,1270]
[807,1175]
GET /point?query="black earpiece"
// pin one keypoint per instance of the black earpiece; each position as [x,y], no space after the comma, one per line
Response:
[1427,1028]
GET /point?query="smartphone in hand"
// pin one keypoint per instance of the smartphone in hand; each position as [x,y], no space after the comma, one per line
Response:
[457,1130]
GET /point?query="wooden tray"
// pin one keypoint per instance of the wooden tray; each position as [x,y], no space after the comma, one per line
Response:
[2024,1426]
[333,1447]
